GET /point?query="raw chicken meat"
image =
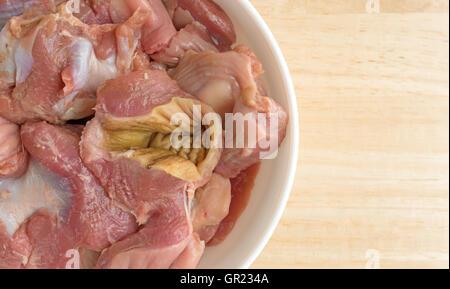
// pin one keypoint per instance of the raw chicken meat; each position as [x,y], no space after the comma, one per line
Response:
[38,188]
[211,203]
[134,121]
[218,79]
[192,37]
[191,255]
[13,157]
[270,133]
[92,11]
[241,191]
[14,250]
[210,206]
[142,180]
[228,82]
[53,64]
[155,33]
[158,30]
[9,8]
[88,11]
[101,221]
[57,205]
[157,244]
[207,13]
[127,146]
[129,140]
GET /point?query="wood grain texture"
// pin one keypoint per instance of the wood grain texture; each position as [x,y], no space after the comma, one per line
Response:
[373,97]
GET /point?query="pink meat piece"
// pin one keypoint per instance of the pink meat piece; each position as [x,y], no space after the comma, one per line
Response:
[156,245]
[208,13]
[88,11]
[211,203]
[157,34]
[67,208]
[191,255]
[13,157]
[93,11]
[137,93]
[49,240]
[10,8]
[88,258]
[235,160]
[14,250]
[125,180]
[218,79]
[91,212]
[179,16]
[158,29]
[101,9]
[157,198]
[54,63]
[192,37]
[85,13]
[210,206]
[136,189]
[228,82]
[207,233]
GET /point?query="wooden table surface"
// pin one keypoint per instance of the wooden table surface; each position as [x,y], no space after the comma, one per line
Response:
[372,182]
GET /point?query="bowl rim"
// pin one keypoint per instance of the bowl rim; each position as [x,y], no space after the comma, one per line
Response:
[293,131]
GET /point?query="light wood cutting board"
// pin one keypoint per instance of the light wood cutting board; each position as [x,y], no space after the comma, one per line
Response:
[372,182]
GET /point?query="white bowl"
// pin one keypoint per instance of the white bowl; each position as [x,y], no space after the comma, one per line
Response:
[274,181]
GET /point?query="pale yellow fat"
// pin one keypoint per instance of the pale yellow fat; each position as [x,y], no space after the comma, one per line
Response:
[147,140]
